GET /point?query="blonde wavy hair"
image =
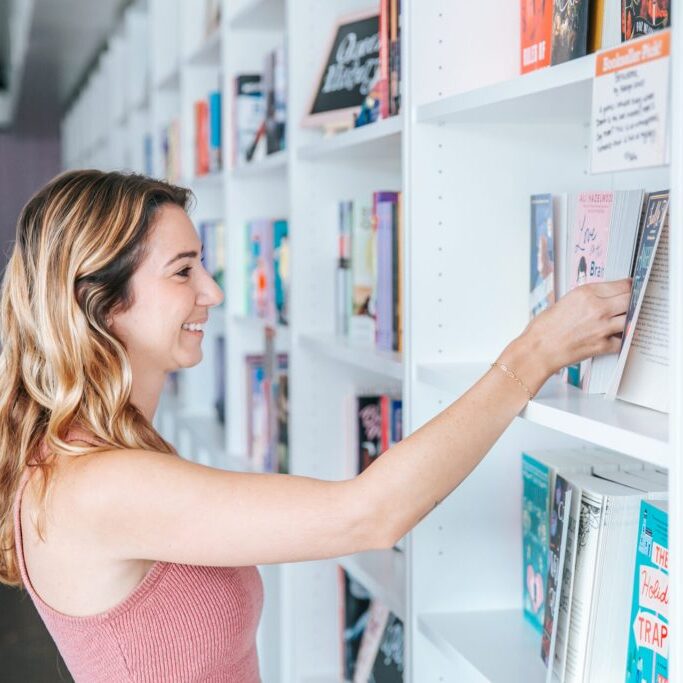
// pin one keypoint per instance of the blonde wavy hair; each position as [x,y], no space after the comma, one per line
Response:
[78,242]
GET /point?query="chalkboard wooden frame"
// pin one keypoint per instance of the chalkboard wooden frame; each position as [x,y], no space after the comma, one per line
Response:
[334,117]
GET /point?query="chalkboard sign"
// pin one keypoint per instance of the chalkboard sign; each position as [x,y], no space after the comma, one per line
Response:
[350,72]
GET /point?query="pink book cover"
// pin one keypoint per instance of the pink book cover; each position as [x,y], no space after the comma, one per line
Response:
[588,255]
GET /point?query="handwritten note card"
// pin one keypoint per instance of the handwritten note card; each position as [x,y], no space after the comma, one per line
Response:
[630,105]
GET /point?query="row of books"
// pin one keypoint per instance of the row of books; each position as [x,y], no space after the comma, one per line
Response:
[384,99]
[369,271]
[556,31]
[260,110]
[596,236]
[267,272]
[207,134]
[595,565]
[378,426]
[372,637]
[267,402]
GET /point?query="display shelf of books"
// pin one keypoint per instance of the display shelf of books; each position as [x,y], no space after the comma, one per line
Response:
[465,641]
[383,573]
[343,350]
[447,185]
[380,139]
[256,14]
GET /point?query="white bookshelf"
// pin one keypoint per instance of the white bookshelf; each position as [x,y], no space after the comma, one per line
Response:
[473,142]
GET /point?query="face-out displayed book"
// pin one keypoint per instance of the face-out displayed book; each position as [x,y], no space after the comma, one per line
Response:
[647,659]
[593,520]
[379,425]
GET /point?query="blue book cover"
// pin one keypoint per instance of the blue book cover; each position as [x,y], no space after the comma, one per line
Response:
[542,274]
[534,538]
[215,155]
[647,660]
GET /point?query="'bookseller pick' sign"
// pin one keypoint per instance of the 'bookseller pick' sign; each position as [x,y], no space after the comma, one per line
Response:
[630,104]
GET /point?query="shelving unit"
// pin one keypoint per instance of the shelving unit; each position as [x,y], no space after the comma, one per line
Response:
[473,142]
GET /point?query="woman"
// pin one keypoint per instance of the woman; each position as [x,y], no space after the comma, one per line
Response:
[141,563]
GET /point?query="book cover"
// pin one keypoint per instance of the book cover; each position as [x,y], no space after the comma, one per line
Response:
[396,421]
[534,538]
[570,30]
[369,419]
[647,659]
[261,270]
[257,427]
[389,662]
[588,244]
[536,37]
[281,270]
[557,543]
[542,261]
[643,17]
[212,237]
[282,408]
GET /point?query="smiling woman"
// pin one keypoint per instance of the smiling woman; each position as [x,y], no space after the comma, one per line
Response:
[142,563]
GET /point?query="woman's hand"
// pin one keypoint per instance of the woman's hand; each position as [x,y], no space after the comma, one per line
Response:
[586,322]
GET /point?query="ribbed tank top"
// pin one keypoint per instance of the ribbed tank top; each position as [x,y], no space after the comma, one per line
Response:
[181,623]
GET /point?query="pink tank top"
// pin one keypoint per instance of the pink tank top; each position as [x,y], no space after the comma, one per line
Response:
[181,623]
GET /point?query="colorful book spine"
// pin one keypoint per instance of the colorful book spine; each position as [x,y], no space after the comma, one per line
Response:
[384,214]
[534,538]
[201,117]
[570,30]
[215,136]
[648,650]
[281,271]
[383,83]
[542,261]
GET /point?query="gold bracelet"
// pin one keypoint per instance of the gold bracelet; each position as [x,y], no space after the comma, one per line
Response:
[512,375]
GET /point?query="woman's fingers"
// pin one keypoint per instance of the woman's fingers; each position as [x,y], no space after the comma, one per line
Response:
[610,288]
[616,324]
[617,304]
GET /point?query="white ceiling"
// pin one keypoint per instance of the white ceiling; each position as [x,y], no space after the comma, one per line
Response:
[65,36]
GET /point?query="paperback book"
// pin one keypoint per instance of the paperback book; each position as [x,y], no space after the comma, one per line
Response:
[542,261]
[643,17]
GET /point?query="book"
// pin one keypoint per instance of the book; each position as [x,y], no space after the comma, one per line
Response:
[654,217]
[343,281]
[354,614]
[557,544]
[643,17]
[384,214]
[219,374]
[603,566]
[363,275]
[647,659]
[542,261]
[369,426]
[212,235]
[604,25]
[274,88]
[602,241]
[201,140]
[248,115]
[215,136]
[536,34]
[645,379]
[569,30]
[281,270]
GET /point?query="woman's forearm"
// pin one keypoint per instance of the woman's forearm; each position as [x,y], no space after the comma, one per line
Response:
[417,474]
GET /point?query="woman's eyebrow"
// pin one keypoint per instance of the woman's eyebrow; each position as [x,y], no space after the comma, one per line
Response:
[182,254]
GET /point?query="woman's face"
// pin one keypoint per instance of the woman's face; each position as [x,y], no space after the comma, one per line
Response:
[170,289]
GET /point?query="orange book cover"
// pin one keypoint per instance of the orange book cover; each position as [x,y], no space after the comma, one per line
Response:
[536,34]
[201,110]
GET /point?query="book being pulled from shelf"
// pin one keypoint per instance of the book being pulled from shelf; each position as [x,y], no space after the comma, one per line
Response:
[369,271]
[268,270]
[372,638]
[647,659]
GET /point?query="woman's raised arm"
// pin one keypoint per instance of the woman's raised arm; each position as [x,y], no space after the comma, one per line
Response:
[144,505]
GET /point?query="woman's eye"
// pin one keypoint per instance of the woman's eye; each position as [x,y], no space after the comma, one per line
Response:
[185,272]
